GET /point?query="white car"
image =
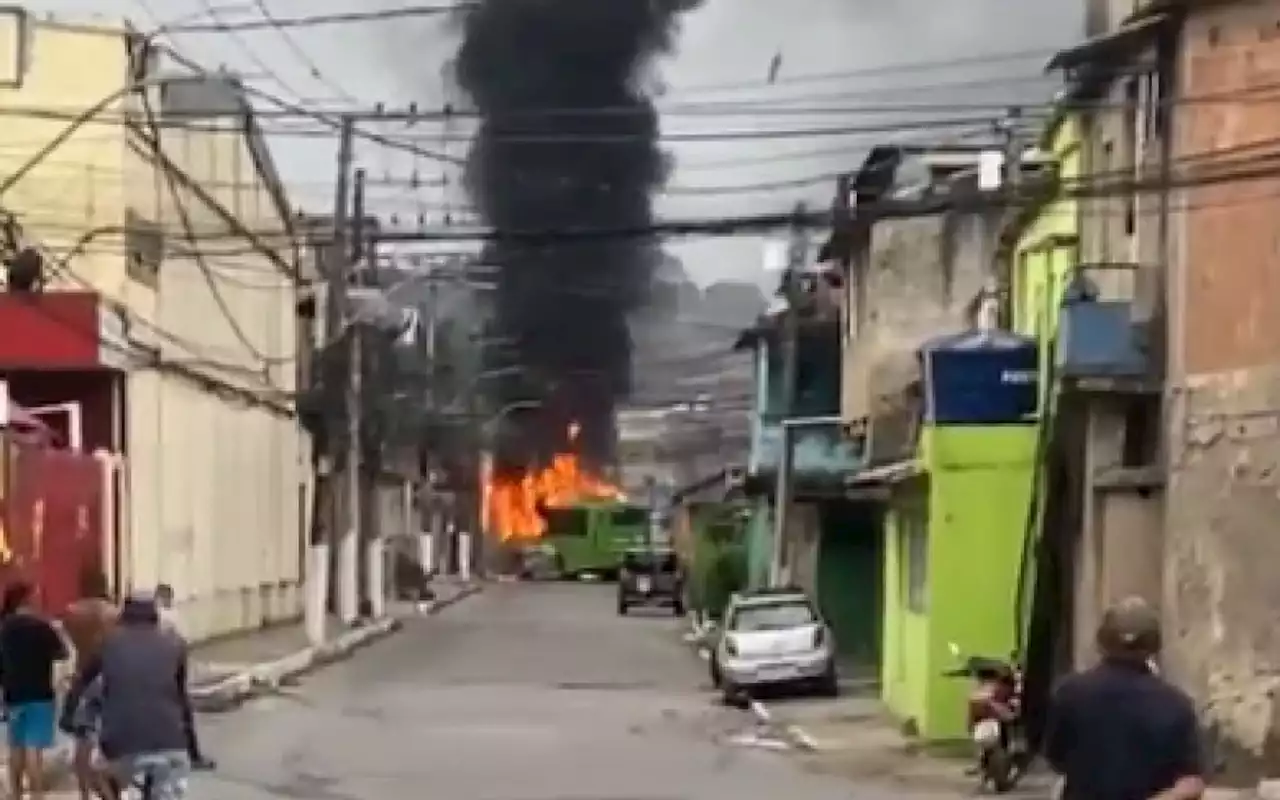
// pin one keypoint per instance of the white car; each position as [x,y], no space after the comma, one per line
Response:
[772,637]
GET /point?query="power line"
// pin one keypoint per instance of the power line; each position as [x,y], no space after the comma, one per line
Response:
[319,20]
[1043,52]
[301,55]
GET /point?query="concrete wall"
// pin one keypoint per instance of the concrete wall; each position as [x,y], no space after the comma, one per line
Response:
[236,479]
[1221,593]
[921,277]
[1120,546]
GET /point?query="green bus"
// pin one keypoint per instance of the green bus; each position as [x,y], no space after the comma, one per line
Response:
[590,537]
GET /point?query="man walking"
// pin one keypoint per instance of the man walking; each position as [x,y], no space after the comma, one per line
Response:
[1118,731]
[143,674]
[169,623]
[30,649]
[88,621]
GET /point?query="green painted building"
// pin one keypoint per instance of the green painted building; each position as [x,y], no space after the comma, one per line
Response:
[953,546]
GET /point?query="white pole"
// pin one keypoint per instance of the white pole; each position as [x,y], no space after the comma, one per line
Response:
[348,578]
[375,575]
[464,556]
[317,593]
[427,552]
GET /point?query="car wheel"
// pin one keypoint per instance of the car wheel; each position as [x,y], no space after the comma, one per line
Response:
[829,683]
[733,696]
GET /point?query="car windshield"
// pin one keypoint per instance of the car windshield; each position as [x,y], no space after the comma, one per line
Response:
[644,561]
[773,616]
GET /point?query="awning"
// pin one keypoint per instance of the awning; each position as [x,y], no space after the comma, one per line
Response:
[1130,36]
[896,472]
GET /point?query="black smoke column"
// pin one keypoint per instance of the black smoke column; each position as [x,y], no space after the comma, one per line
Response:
[567,141]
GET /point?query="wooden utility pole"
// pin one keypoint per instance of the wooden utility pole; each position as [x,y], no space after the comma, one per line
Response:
[349,550]
[994,310]
[325,533]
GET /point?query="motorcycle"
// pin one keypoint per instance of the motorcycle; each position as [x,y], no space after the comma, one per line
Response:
[995,718]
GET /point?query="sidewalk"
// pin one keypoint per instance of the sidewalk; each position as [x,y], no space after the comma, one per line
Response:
[226,672]
[852,737]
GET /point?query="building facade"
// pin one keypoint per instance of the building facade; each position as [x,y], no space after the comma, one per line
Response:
[170,319]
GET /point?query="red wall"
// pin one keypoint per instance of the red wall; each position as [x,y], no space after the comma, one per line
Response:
[51,510]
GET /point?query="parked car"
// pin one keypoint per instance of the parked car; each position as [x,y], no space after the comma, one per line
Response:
[773,637]
[651,576]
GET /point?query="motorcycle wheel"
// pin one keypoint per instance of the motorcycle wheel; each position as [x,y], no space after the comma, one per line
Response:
[999,770]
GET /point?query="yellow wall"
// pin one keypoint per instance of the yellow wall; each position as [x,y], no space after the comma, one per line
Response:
[213,481]
[1043,256]
[904,684]
[78,187]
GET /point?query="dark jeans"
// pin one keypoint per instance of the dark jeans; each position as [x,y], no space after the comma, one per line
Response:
[193,740]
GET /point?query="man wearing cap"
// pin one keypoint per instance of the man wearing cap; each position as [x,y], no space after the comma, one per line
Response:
[143,673]
[1118,731]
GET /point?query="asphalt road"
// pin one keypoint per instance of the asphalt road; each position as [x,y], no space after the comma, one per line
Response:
[524,692]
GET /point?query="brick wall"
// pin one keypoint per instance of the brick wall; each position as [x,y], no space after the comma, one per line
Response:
[1222,597]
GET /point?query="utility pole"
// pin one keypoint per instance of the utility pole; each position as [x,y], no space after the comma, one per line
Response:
[432,517]
[655,515]
[325,534]
[992,311]
[797,254]
[349,549]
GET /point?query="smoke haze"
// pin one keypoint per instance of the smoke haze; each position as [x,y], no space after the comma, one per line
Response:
[568,74]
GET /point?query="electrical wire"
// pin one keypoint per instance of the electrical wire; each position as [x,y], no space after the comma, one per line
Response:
[248,52]
[301,55]
[319,20]
[152,143]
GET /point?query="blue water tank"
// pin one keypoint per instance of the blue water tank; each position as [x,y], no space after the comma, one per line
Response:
[980,377]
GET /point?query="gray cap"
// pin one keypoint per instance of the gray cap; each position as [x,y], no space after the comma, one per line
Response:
[140,606]
[1132,626]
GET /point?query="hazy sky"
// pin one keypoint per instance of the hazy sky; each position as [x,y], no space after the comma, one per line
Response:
[841,63]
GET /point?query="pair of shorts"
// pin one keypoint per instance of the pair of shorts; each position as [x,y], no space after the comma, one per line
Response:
[31,725]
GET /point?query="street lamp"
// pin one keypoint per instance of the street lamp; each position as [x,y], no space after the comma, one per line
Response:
[491,425]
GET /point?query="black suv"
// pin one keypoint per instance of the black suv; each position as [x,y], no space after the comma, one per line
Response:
[651,576]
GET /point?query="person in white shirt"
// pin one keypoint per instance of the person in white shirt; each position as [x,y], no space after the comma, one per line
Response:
[164,603]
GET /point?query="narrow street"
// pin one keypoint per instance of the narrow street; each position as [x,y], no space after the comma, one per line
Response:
[525,692]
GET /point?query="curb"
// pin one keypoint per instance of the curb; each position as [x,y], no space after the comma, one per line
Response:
[231,692]
[793,733]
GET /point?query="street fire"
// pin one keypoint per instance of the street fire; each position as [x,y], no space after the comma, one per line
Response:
[514,502]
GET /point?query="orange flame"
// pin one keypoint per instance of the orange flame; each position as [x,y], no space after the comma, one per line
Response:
[512,502]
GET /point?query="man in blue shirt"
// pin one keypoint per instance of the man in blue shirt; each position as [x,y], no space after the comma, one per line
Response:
[143,673]
[1119,731]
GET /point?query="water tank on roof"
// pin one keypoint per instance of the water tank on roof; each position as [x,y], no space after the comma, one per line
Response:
[980,377]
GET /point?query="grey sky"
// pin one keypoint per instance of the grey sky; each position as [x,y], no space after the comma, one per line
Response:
[727,42]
